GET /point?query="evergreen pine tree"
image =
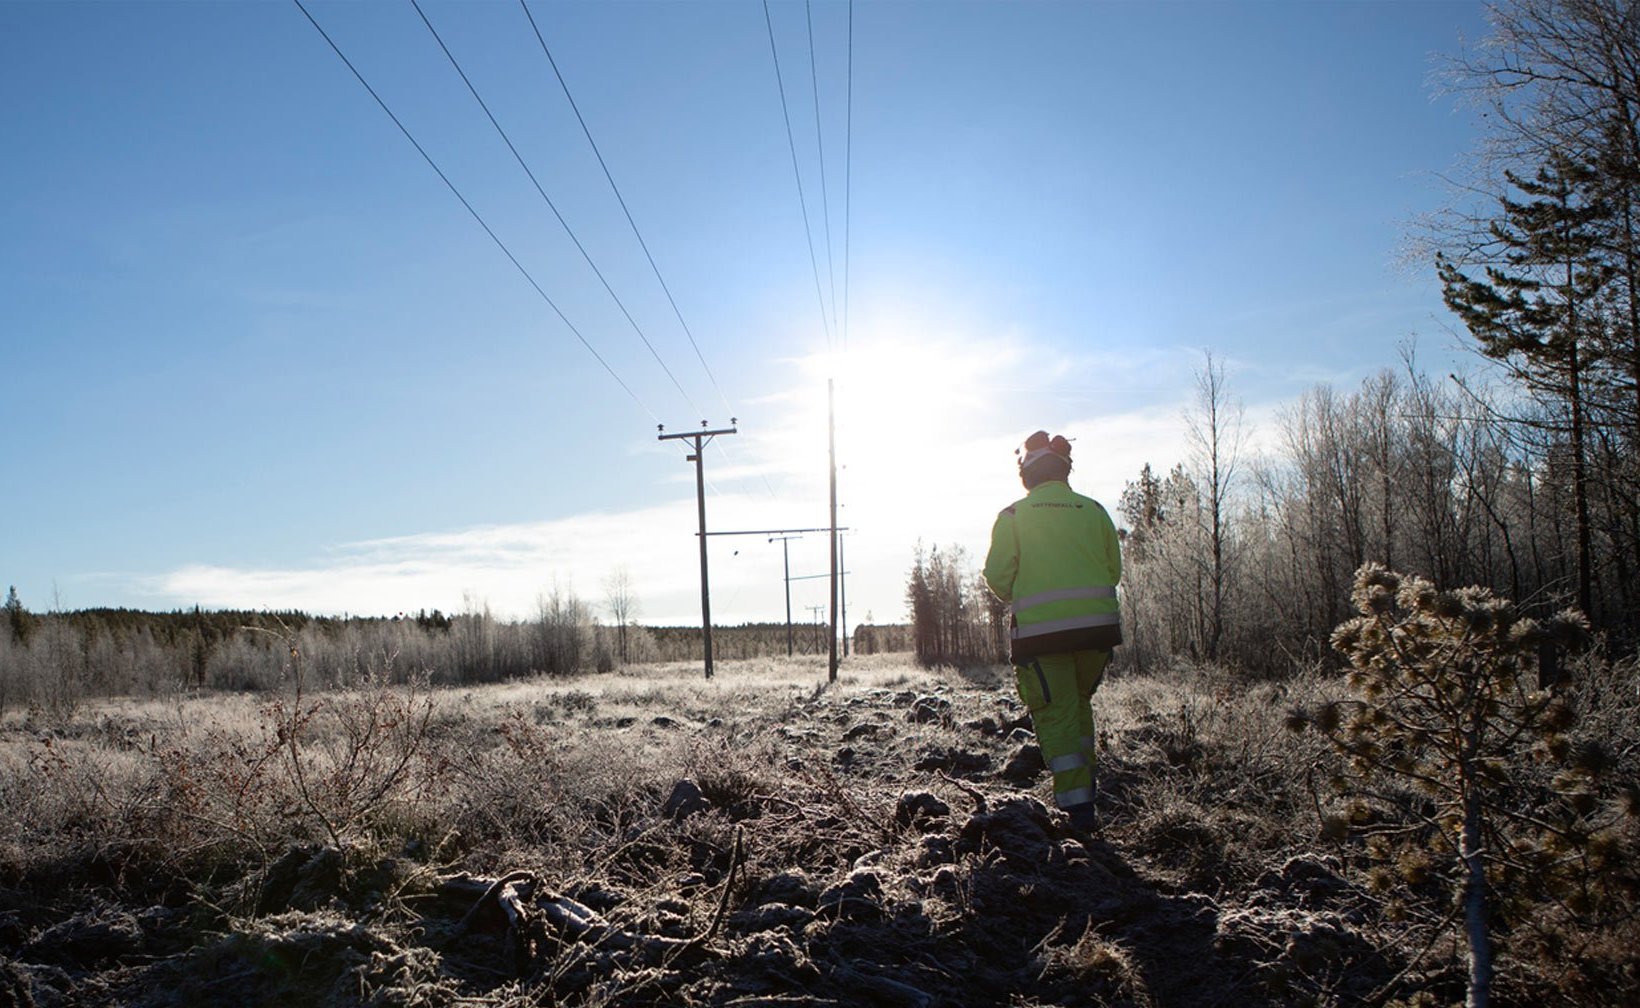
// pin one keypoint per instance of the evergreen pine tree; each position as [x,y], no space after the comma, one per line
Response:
[1535,310]
[18,619]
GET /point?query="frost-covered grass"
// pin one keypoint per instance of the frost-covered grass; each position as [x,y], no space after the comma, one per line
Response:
[873,840]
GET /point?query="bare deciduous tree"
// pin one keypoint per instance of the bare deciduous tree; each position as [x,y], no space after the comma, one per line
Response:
[623,606]
[1216,433]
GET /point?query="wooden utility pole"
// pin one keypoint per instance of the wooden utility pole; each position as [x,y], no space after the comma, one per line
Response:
[792,533]
[700,438]
[831,451]
[842,593]
[786,561]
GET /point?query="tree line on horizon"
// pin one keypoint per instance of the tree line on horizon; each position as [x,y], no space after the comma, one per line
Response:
[55,660]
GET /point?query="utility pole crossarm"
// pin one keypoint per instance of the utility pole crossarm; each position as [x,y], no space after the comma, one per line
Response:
[696,434]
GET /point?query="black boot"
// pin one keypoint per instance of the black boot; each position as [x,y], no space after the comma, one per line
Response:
[1084,817]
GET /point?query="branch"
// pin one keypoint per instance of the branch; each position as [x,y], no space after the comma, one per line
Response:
[490,893]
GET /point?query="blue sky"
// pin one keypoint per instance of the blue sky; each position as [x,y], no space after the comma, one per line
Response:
[253,352]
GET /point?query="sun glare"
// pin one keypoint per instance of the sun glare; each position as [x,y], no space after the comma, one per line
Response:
[895,398]
[908,412]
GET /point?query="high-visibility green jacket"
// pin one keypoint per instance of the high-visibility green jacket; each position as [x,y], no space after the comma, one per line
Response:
[1055,557]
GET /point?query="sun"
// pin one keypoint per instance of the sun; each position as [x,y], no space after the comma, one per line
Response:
[892,397]
[909,413]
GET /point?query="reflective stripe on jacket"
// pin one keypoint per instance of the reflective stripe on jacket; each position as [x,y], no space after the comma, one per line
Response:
[1055,558]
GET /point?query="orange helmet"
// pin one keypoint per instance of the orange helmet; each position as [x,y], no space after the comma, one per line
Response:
[1040,446]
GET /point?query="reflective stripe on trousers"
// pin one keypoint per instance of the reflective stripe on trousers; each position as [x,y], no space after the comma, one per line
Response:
[1058,690]
[1069,623]
[1068,762]
[1075,796]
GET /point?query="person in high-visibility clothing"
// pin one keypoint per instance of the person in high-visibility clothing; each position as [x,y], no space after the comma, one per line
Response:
[1056,560]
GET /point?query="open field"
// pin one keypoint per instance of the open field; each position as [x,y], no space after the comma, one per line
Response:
[883,840]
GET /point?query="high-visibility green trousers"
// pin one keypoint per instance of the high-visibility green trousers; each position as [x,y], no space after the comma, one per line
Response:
[1058,689]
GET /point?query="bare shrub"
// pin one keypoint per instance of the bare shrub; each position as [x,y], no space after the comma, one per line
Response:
[354,756]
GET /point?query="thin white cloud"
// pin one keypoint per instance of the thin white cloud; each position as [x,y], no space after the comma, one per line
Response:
[925,439]
[505,566]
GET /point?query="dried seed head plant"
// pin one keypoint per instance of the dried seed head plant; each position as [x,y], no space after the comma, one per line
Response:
[1457,768]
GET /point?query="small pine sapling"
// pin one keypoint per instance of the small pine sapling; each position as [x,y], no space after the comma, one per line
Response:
[1456,769]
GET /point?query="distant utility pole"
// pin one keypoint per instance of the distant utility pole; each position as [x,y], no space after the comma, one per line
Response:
[700,438]
[817,611]
[792,533]
[842,579]
[842,592]
[786,562]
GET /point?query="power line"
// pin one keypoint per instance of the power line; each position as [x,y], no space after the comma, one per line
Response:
[622,200]
[636,233]
[831,415]
[734,460]
[791,143]
[820,147]
[552,206]
[848,175]
[475,214]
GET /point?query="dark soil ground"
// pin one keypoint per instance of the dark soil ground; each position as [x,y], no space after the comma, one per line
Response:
[883,841]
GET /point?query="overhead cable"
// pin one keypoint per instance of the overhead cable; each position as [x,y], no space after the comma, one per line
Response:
[622,200]
[848,172]
[791,143]
[820,147]
[475,214]
[610,177]
[552,206]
